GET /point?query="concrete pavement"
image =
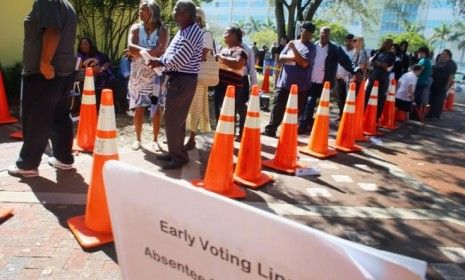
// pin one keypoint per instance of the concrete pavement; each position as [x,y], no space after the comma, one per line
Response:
[404,193]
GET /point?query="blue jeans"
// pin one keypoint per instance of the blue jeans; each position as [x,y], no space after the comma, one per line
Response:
[45,115]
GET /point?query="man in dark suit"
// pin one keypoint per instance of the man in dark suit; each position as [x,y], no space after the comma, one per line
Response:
[328,56]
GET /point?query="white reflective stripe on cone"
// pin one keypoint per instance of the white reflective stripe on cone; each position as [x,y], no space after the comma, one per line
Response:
[322,111]
[292,102]
[373,101]
[228,107]
[225,127]
[290,118]
[88,99]
[105,147]
[374,91]
[106,118]
[349,109]
[89,84]
[252,122]
[254,104]
[325,95]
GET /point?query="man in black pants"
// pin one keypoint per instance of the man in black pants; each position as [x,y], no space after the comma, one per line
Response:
[381,61]
[48,75]
[342,76]
[297,58]
[443,77]
[182,63]
[328,56]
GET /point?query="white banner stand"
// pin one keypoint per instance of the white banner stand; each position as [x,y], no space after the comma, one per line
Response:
[168,229]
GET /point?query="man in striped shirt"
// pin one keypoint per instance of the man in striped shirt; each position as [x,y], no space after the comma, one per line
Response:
[182,63]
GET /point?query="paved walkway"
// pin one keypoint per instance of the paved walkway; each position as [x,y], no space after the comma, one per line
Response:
[404,193]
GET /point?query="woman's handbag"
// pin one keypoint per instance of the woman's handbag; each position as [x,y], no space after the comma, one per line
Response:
[209,70]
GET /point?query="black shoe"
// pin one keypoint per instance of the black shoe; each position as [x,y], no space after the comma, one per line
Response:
[164,157]
[174,164]
[269,133]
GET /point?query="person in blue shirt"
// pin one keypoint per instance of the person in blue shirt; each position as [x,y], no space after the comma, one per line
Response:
[297,59]
[424,82]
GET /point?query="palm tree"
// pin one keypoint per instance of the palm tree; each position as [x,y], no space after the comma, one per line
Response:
[245,26]
[441,34]
[458,35]
[254,25]
[412,27]
[269,24]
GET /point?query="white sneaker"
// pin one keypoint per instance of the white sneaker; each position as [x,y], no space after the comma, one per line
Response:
[58,164]
[136,145]
[18,172]
[130,113]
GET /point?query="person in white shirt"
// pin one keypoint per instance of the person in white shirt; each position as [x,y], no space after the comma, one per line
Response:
[406,89]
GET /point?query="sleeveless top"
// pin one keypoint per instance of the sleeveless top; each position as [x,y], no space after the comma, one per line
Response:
[143,79]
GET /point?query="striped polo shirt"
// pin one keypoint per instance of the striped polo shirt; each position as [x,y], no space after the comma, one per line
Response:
[185,51]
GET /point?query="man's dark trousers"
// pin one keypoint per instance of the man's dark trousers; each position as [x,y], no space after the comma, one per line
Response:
[341,89]
[437,97]
[45,115]
[180,92]
[281,96]
[306,119]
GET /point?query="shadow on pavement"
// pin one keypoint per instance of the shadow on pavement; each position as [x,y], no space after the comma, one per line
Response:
[74,183]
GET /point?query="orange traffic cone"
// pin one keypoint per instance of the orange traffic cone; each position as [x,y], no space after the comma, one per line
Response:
[94,228]
[345,140]
[87,117]
[266,80]
[5,212]
[249,163]
[5,116]
[285,158]
[219,174]
[400,116]
[17,135]
[388,118]
[369,124]
[359,113]
[318,143]
[449,103]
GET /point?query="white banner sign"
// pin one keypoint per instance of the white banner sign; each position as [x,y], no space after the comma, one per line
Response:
[167,229]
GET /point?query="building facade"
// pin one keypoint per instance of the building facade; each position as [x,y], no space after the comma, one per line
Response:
[12,14]
[227,12]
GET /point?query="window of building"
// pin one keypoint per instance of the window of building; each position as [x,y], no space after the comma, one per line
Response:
[220,4]
[258,3]
[240,4]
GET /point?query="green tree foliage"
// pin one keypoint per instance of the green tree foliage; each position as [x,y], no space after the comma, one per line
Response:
[458,35]
[298,10]
[106,22]
[441,34]
[415,40]
[264,38]
[338,31]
